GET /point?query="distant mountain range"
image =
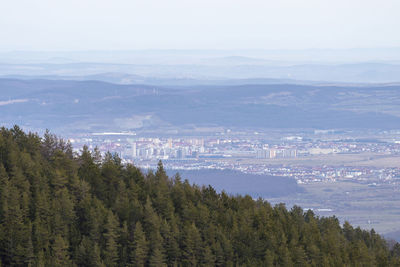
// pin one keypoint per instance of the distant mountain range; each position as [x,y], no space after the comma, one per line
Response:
[208,71]
[64,105]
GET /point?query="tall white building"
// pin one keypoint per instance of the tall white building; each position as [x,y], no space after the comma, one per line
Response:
[134,154]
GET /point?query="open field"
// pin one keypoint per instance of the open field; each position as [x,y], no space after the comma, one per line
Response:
[355,160]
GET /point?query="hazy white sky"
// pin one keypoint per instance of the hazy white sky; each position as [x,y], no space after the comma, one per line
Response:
[200,24]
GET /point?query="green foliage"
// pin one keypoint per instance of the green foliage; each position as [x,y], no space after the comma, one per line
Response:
[139,248]
[62,209]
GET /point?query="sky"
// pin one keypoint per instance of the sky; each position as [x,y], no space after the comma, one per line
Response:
[70,25]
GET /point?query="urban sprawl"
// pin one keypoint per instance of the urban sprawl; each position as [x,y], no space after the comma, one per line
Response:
[250,155]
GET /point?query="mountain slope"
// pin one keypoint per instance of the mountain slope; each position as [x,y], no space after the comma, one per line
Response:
[92,105]
[61,209]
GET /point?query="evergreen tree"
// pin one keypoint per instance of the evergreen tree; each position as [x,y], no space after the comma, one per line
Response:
[110,235]
[59,252]
[207,257]
[190,245]
[138,254]
[157,258]
[88,254]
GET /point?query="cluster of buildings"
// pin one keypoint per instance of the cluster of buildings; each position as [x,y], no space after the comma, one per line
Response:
[155,148]
[246,155]
[186,148]
[276,153]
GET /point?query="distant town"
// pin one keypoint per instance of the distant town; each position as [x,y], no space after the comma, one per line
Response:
[305,159]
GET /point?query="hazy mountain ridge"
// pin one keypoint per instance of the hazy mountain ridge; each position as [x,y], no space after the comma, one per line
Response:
[60,104]
[217,68]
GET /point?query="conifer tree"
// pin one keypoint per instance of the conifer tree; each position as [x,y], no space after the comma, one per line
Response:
[59,252]
[138,255]
[190,245]
[111,246]
[207,257]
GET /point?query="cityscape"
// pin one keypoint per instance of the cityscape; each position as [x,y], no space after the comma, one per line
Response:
[307,159]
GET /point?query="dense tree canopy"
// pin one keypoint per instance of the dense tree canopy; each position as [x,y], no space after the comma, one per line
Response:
[62,209]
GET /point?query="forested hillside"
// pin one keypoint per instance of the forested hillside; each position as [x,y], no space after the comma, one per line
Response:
[73,106]
[62,209]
